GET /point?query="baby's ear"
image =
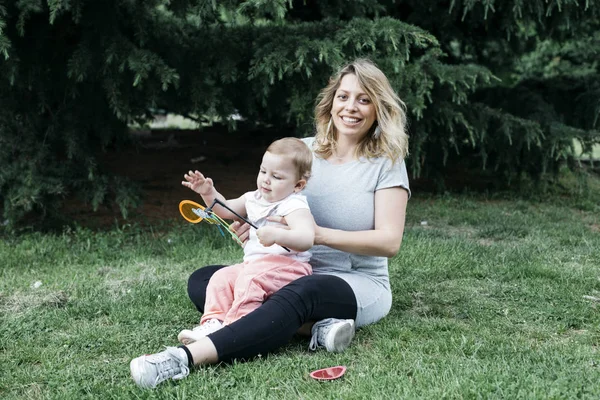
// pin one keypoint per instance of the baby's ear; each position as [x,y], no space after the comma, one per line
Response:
[300,185]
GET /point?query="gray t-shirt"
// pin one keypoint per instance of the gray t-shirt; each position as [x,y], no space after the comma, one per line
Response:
[343,197]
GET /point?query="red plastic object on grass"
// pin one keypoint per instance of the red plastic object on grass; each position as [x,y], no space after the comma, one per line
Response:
[328,374]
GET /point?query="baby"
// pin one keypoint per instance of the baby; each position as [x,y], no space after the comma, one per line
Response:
[274,255]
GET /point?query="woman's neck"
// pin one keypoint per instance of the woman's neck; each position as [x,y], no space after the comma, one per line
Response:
[344,152]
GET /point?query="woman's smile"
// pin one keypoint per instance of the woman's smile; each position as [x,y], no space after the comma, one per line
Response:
[352,112]
[350,120]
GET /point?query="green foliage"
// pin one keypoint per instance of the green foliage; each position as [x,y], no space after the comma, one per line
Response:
[544,55]
[73,74]
[503,87]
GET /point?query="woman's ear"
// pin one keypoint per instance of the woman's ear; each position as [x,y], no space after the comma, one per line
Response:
[300,185]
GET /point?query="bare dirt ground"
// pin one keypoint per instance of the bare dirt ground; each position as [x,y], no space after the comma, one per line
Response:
[158,164]
[161,158]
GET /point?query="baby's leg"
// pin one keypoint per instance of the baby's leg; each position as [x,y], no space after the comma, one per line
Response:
[219,298]
[260,279]
[220,293]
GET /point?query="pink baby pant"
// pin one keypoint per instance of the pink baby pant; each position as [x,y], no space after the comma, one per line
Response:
[237,290]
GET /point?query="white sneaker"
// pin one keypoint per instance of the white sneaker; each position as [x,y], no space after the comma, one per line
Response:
[187,336]
[150,370]
[333,334]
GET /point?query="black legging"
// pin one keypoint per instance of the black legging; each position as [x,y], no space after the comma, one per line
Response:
[272,325]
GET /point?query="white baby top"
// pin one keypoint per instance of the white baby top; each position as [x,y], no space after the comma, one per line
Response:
[258,210]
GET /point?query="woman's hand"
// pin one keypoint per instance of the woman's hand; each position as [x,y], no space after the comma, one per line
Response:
[198,183]
[242,230]
[280,220]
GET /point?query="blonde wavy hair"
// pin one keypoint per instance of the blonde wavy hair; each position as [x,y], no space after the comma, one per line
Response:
[390,110]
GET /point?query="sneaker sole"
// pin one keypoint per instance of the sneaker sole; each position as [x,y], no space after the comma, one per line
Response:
[342,336]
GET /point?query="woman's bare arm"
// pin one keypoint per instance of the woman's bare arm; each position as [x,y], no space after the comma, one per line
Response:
[384,240]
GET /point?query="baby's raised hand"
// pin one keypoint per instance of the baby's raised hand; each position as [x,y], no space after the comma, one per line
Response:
[267,235]
[198,183]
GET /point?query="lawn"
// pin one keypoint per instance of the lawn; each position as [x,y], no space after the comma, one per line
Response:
[493,298]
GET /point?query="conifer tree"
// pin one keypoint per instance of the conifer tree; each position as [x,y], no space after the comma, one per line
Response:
[502,86]
[73,74]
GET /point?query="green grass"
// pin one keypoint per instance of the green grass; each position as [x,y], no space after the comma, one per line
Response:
[489,302]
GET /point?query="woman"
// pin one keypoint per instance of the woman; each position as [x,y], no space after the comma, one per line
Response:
[358,194]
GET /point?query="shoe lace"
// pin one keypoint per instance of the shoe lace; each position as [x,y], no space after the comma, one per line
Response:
[319,331]
[169,365]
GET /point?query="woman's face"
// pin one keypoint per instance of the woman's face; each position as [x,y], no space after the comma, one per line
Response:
[352,112]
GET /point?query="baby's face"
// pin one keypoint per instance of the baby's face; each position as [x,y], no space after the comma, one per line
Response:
[277,177]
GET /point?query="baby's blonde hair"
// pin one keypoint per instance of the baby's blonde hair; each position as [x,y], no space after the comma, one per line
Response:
[297,151]
[390,110]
